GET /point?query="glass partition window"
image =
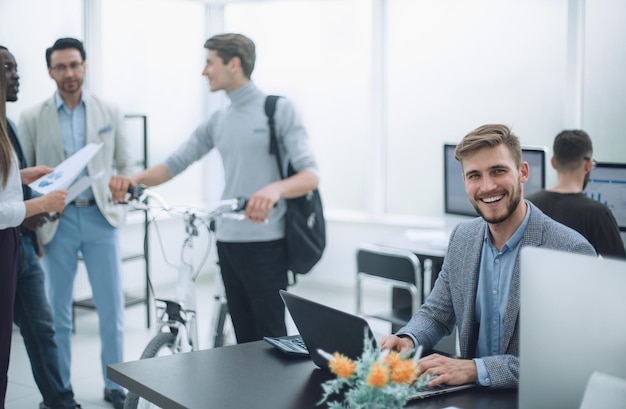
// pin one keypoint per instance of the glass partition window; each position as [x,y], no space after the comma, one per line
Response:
[152,61]
[604,99]
[28,28]
[318,54]
[453,66]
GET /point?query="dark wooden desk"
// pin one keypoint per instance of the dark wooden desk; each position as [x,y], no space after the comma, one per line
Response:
[255,375]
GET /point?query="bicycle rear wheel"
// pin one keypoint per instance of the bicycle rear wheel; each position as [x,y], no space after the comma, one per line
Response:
[163,344]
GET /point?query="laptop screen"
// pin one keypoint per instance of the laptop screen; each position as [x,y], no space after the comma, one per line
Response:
[326,328]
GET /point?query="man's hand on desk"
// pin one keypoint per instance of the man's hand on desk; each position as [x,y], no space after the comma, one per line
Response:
[449,371]
[396,343]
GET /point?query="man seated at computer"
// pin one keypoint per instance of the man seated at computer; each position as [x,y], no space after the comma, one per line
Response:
[566,203]
[478,287]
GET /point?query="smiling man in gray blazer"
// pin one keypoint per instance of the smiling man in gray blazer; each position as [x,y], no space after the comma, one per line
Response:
[50,133]
[478,287]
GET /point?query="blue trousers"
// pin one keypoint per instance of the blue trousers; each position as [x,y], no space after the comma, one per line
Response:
[86,230]
[33,316]
[9,248]
[253,273]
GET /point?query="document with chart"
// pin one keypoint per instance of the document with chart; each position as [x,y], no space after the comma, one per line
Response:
[64,174]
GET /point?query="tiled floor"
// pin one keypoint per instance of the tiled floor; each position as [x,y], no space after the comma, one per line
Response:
[87,382]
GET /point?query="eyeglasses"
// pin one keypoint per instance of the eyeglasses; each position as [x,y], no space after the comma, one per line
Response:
[62,68]
[593,161]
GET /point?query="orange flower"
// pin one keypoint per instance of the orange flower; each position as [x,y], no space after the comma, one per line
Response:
[391,360]
[378,376]
[403,371]
[341,365]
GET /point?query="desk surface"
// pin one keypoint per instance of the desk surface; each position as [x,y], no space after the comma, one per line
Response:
[256,375]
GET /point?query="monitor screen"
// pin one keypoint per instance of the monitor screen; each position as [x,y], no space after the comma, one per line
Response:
[607,184]
[455,197]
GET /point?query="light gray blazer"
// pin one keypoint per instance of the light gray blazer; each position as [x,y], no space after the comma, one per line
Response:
[453,297]
[40,136]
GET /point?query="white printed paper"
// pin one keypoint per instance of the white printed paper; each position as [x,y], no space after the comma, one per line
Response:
[64,174]
[79,186]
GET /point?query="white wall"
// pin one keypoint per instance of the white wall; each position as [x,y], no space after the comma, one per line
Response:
[604,91]
[28,28]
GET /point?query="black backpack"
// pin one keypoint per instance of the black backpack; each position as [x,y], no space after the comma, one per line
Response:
[305,227]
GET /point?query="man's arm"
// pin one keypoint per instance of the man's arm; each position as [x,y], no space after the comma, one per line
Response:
[26,135]
[36,221]
[153,176]
[396,343]
[260,204]
[446,370]
[607,237]
[449,371]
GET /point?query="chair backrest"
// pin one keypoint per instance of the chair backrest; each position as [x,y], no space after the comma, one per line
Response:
[604,391]
[390,263]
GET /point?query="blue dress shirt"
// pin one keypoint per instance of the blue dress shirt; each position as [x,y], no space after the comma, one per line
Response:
[73,125]
[492,297]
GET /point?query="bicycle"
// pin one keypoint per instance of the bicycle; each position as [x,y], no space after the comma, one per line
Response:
[176,319]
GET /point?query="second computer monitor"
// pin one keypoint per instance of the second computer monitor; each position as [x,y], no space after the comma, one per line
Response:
[455,197]
[607,184]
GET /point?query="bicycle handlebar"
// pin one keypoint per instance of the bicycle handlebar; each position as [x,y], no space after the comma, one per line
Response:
[141,193]
[136,191]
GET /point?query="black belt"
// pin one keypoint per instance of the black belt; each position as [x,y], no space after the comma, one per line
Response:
[83,203]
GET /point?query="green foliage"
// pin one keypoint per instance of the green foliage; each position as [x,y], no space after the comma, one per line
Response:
[359,395]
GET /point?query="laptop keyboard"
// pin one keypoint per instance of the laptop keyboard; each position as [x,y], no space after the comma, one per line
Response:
[293,345]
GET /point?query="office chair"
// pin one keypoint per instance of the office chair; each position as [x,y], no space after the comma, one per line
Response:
[604,391]
[397,269]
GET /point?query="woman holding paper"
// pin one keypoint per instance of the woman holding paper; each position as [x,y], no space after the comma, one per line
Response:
[13,210]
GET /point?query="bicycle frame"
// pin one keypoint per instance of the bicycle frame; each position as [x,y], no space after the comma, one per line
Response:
[180,322]
[178,317]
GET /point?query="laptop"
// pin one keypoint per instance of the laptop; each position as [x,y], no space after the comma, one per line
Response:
[329,329]
[572,325]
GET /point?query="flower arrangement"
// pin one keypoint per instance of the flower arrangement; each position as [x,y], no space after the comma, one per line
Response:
[376,380]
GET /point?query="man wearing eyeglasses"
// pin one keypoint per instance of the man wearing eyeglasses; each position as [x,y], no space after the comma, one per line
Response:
[51,132]
[566,203]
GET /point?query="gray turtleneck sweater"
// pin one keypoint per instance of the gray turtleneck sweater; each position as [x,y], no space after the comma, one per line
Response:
[241,135]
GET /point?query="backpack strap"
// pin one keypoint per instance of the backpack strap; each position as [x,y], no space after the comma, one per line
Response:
[270,109]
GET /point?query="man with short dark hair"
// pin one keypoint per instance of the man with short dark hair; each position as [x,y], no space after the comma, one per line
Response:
[477,289]
[566,203]
[252,253]
[32,312]
[50,133]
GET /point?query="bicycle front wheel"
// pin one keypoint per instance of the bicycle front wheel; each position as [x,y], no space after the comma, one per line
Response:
[163,344]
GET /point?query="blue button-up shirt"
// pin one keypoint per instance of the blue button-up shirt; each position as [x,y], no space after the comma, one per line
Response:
[73,125]
[492,297]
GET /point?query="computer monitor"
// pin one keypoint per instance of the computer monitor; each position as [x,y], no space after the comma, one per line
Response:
[607,184]
[572,310]
[455,197]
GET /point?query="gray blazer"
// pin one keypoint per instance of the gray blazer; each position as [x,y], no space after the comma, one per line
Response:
[453,297]
[40,136]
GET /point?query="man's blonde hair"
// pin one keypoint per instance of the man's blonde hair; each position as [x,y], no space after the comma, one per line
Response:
[489,136]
